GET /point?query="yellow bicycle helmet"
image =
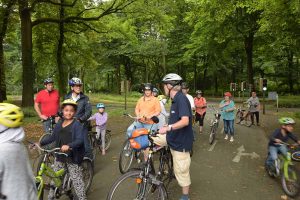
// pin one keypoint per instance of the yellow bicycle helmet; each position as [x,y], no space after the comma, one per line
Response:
[11,115]
[69,102]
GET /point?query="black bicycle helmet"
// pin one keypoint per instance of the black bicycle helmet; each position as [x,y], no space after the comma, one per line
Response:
[48,80]
[184,85]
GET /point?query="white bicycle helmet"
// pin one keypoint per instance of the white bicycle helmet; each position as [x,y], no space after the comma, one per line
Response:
[172,78]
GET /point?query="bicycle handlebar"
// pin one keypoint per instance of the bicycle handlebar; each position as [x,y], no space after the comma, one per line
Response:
[54,150]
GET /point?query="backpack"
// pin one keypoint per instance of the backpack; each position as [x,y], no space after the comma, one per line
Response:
[139,139]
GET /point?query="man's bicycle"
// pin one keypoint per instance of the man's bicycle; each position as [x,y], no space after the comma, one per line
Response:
[214,126]
[49,133]
[144,183]
[243,116]
[290,176]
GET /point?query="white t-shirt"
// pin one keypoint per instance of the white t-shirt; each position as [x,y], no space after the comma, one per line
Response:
[191,99]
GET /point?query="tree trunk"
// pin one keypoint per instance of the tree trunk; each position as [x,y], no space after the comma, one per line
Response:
[26,43]
[62,79]
[195,76]
[3,30]
[2,73]
[248,41]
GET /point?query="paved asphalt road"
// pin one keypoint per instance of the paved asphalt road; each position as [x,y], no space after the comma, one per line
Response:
[215,175]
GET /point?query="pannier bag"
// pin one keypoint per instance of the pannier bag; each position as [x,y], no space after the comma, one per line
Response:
[139,139]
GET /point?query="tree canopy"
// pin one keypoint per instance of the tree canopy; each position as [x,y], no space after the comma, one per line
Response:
[209,43]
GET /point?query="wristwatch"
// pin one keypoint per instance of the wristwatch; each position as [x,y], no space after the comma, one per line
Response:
[170,127]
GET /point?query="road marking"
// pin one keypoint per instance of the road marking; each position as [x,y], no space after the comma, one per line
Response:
[212,146]
[240,153]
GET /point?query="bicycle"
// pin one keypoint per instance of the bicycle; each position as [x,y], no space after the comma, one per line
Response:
[295,152]
[87,168]
[243,116]
[290,177]
[61,178]
[49,132]
[144,183]
[214,126]
[127,153]
[97,143]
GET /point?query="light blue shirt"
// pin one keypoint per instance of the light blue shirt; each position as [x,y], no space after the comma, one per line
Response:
[227,115]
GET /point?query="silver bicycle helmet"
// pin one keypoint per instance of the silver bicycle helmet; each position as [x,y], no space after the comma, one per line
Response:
[173,79]
[75,81]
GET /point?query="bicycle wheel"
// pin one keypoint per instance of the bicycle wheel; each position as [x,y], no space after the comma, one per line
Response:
[48,146]
[87,172]
[93,142]
[238,117]
[166,168]
[247,120]
[296,156]
[290,183]
[126,157]
[133,185]
[212,135]
[107,141]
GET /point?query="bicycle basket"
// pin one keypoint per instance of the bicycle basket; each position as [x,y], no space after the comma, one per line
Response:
[139,139]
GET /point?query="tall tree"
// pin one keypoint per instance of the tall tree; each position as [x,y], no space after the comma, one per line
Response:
[5,11]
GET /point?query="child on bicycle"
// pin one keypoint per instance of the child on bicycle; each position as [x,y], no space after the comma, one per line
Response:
[16,177]
[68,135]
[278,139]
[101,119]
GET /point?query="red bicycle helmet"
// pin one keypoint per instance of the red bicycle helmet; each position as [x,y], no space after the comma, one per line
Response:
[227,94]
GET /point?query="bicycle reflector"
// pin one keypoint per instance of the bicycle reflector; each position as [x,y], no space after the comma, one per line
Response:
[138,180]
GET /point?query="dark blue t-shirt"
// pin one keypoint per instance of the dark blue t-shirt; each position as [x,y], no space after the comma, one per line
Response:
[278,135]
[180,139]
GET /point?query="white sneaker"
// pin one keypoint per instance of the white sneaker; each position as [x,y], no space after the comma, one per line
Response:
[231,139]
[226,137]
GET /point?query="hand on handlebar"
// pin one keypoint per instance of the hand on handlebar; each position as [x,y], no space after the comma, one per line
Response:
[278,141]
[65,148]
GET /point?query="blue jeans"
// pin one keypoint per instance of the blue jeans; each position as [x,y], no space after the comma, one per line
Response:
[273,153]
[228,127]
[136,125]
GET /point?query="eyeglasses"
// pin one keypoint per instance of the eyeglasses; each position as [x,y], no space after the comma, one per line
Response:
[77,85]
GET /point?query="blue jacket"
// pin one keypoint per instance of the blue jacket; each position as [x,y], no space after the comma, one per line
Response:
[84,108]
[76,144]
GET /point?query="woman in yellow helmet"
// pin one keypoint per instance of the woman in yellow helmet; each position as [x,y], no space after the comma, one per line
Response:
[15,168]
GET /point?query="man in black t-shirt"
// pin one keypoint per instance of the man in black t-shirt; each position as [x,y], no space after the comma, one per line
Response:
[179,132]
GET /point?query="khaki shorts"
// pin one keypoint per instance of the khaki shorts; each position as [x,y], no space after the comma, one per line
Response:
[181,162]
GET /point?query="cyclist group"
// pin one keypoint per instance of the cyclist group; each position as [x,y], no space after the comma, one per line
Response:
[70,133]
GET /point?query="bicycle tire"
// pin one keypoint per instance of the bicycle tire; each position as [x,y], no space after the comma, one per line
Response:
[239,116]
[160,190]
[166,169]
[87,173]
[247,120]
[93,142]
[296,156]
[212,135]
[126,152]
[291,184]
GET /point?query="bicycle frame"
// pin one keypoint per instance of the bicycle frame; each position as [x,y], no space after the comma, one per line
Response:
[48,171]
[286,162]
